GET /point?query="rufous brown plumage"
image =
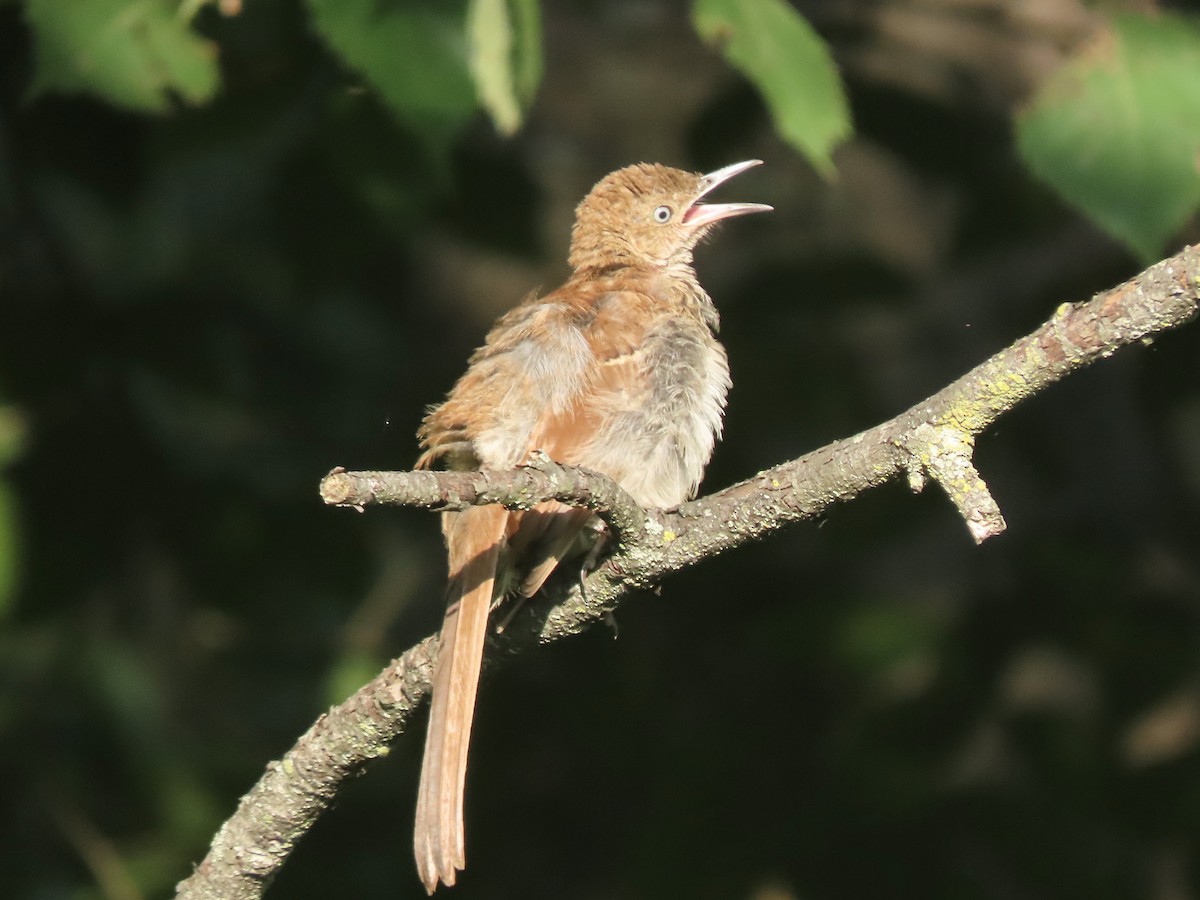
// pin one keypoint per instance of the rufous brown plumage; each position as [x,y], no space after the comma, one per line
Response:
[618,371]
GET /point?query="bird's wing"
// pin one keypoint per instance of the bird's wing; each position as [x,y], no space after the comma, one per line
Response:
[613,327]
[551,371]
[533,360]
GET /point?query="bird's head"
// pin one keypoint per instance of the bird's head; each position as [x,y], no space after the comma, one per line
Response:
[648,214]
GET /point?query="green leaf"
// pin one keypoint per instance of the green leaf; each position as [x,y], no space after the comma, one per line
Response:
[136,54]
[1116,131]
[780,53]
[527,53]
[413,55]
[506,62]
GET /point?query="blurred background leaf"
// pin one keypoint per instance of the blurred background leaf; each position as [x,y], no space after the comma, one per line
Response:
[506,57]
[413,54]
[136,54]
[1117,130]
[780,53]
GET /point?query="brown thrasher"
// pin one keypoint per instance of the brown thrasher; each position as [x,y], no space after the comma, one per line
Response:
[617,371]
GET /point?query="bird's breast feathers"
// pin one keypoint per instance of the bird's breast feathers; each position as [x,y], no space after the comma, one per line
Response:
[620,382]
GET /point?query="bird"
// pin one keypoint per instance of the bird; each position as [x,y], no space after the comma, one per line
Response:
[618,371]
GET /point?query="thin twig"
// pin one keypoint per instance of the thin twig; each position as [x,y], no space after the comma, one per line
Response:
[538,480]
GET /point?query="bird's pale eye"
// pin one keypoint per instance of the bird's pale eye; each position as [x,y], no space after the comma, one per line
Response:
[662,214]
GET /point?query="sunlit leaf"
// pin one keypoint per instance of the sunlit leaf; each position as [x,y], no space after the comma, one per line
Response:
[137,54]
[489,33]
[505,47]
[413,55]
[780,53]
[1116,131]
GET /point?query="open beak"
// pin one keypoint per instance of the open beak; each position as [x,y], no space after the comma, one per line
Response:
[699,214]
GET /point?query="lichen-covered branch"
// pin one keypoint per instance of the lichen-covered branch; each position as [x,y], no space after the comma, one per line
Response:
[934,440]
[539,479]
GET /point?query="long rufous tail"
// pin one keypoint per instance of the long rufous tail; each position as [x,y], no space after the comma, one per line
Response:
[473,540]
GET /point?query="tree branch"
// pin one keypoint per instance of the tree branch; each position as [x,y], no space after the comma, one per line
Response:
[933,440]
[539,479]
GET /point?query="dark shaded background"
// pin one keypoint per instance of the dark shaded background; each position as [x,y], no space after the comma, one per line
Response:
[202,314]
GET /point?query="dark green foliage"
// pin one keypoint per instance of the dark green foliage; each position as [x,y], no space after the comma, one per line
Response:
[204,310]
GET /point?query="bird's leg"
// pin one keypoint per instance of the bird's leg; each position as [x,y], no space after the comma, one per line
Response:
[598,545]
[587,565]
[517,603]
